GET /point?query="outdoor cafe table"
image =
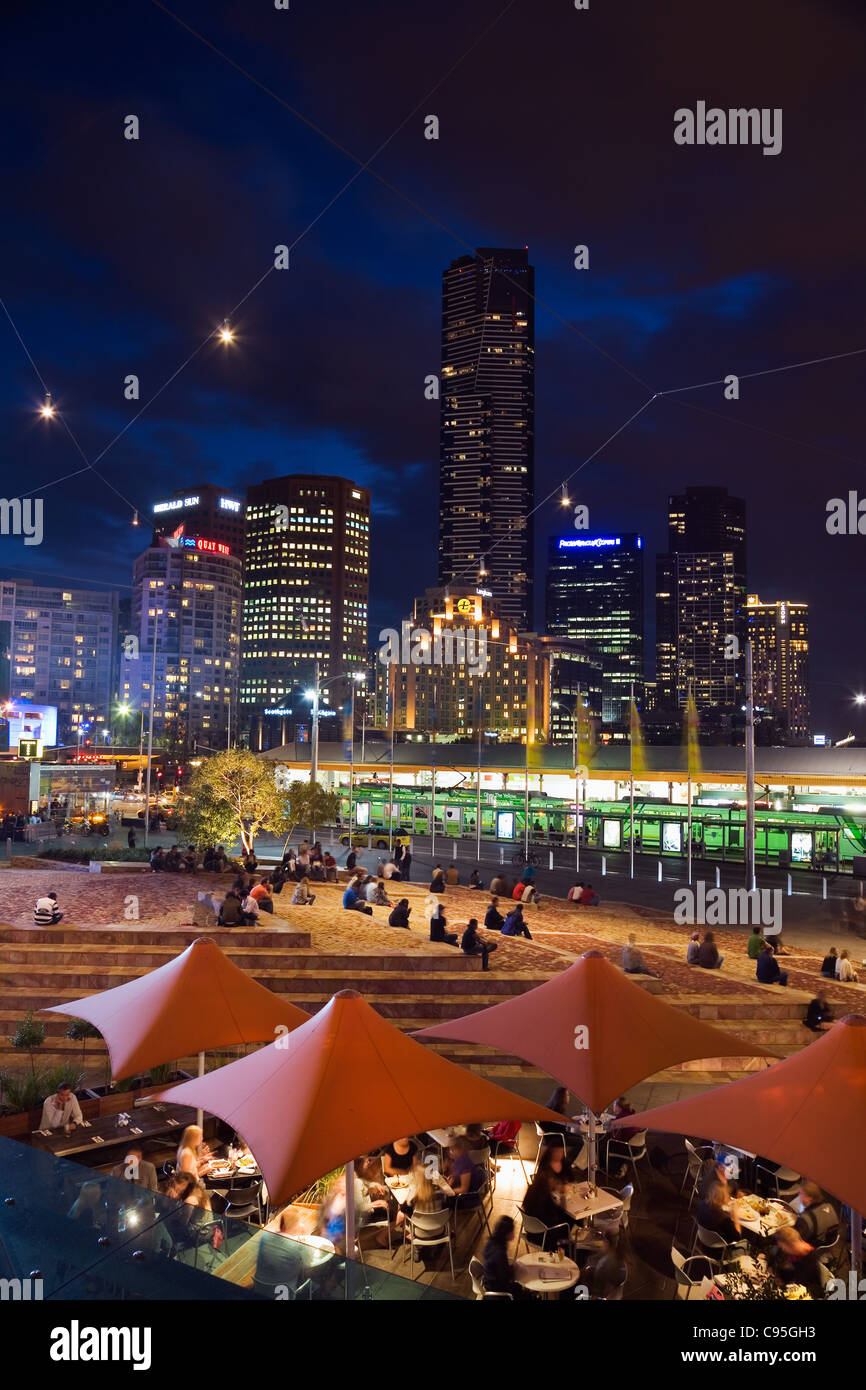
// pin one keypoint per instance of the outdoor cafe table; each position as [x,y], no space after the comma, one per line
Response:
[780,1215]
[527,1271]
[583,1205]
[145,1122]
[443,1137]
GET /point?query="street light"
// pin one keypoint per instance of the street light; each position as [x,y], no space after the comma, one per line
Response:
[860,699]
[46,410]
[226,334]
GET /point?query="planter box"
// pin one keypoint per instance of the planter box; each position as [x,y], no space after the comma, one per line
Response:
[111,1103]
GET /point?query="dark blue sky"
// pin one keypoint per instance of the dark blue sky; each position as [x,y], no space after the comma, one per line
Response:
[120,257]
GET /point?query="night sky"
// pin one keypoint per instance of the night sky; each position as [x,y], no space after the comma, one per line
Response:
[556,129]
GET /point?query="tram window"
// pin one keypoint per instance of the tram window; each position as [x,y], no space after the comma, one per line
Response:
[734,836]
[672,837]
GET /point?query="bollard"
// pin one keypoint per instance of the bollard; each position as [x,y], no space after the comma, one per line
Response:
[453,849]
[790,888]
[718,877]
[9,848]
[603,865]
[823,887]
[550,857]
[660,871]
[860,889]
[501,855]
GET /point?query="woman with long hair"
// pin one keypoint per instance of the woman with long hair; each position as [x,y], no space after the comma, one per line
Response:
[498,1276]
[193,1156]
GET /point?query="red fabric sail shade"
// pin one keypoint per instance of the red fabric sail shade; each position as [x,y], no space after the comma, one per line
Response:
[344,1083]
[595,1031]
[198,1001]
[807,1113]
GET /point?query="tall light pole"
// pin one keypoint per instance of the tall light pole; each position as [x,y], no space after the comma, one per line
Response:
[749,847]
[357,678]
[314,731]
[150,719]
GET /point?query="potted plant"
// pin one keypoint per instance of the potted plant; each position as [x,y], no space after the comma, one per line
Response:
[80,1030]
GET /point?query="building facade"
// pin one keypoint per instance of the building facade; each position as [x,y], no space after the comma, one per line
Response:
[701,603]
[306,597]
[487,448]
[457,669]
[595,598]
[62,647]
[187,598]
[206,510]
[779,632]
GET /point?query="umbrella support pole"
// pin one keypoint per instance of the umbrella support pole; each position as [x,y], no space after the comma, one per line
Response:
[199,1114]
[856,1251]
[592,1145]
[350,1210]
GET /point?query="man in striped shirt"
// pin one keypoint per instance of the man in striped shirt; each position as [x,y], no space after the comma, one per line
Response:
[46,912]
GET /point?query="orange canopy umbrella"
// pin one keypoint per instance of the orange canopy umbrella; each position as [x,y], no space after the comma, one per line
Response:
[595,1030]
[198,1001]
[345,1082]
[807,1112]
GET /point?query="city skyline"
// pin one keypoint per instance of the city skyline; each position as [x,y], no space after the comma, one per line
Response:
[327,368]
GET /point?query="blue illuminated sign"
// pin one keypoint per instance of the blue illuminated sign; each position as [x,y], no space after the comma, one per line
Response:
[593,543]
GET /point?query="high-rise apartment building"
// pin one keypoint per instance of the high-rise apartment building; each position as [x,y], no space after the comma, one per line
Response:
[486,468]
[779,632]
[63,644]
[701,602]
[206,510]
[595,598]
[187,597]
[306,594]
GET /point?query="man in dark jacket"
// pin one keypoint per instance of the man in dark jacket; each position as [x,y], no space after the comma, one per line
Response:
[708,953]
[767,970]
[817,1222]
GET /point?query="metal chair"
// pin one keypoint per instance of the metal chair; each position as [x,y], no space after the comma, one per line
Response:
[711,1240]
[784,1182]
[687,1287]
[696,1156]
[244,1202]
[629,1151]
[514,1146]
[611,1222]
[530,1225]
[427,1229]
[548,1138]
[476,1274]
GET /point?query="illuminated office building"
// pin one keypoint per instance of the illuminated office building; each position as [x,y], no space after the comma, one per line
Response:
[187,595]
[779,632]
[306,593]
[208,510]
[62,649]
[595,599]
[701,602]
[487,447]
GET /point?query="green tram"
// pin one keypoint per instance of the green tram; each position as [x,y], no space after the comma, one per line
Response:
[827,838]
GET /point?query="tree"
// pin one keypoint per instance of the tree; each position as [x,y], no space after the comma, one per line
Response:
[28,1036]
[232,796]
[306,803]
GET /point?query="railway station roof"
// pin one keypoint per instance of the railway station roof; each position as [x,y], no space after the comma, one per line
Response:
[806,766]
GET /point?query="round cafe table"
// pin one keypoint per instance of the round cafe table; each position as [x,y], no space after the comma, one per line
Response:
[526,1272]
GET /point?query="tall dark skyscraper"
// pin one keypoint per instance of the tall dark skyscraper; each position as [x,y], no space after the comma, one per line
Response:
[209,511]
[487,457]
[595,597]
[701,601]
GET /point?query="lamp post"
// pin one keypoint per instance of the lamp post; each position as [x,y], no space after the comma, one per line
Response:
[574,715]
[357,678]
[150,718]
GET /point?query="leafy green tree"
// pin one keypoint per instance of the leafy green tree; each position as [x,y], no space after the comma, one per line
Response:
[306,803]
[232,796]
[28,1036]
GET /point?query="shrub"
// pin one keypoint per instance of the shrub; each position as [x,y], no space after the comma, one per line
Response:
[28,1090]
[82,854]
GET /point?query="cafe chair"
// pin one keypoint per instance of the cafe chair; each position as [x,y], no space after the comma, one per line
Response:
[423,1230]
[510,1147]
[382,1223]
[828,1255]
[696,1156]
[488,1295]
[544,1138]
[476,1274]
[782,1183]
[711,1240]
[611,1222]
[628,1151]
[690,1272]
[169,1169]
[242,1203]
[531,1226]
[481,1159]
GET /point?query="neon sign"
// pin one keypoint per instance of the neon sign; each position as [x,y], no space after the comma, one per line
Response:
[175,504]
[594,544]
[213,547]
[229,504]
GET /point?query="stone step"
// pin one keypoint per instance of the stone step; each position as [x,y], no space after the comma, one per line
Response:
[715,1008]
[176,938]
